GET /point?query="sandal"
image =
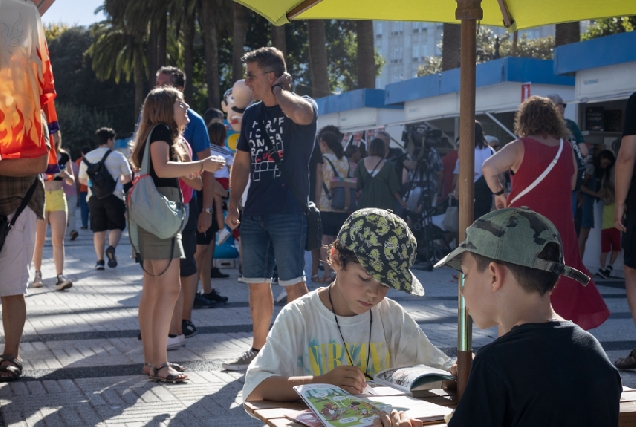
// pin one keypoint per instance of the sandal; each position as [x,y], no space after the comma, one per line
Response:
[327,278]
[628,362]
[170,378]
[15,369]
[174,366]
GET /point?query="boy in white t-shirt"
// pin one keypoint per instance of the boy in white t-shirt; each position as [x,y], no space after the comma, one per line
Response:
[347,332]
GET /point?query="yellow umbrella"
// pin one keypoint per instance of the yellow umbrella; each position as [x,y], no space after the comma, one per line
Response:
[513,14]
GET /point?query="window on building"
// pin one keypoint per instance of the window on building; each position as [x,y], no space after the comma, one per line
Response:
[416,27]
[416,51]
[423,51]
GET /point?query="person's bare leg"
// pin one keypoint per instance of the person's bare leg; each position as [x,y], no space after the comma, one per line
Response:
[145,314]
[40,238]
[13,318]
[113,237]
[261,309]
[189,289]
[99,240]
[57,219]
[585,232]
[630,288]
[613,257]
[296,291]
[315,262]
[206,268]
[603,260]
[177,313]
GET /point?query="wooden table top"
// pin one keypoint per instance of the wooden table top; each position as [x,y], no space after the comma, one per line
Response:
[275,414]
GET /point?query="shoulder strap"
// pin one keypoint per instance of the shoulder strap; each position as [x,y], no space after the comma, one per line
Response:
[542,176]
[335,172]
[274,155]
[105,155]
[25,201]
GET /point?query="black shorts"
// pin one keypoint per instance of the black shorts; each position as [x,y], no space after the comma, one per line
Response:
[628,241]
[204,239]
[332,221]
[189,241]
[107,213]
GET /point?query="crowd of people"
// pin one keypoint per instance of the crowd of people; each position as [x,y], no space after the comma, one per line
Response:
[521,258]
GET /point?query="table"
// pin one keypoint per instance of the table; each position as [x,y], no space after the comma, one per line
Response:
[274,413]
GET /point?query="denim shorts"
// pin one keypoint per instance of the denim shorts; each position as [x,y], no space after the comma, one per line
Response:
[276,239]
[588,212]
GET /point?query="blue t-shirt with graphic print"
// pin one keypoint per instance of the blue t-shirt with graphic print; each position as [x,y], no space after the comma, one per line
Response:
[269,192]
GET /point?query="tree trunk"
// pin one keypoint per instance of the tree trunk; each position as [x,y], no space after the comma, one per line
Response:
[162,43]
[152,54]
[451,43]
[189,29]
[208,24]
[567,33]
[240,29]
[366,55]
[318,58]
[279,38]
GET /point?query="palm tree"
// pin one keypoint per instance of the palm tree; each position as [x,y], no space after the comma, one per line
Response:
[208,12]
[569,32]
[240,29]
[366,54]
[189,29]
[451,42]
[279,38]
[318,58]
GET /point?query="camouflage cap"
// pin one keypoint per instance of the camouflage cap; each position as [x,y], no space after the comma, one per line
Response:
[384,246]
[514,235]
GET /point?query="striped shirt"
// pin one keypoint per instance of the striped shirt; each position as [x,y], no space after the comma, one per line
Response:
[228,155]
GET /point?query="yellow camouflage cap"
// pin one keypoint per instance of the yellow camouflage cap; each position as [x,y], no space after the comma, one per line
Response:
[384,246]
[514,235]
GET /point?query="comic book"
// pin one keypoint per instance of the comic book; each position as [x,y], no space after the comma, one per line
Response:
[412,378]
[334,407]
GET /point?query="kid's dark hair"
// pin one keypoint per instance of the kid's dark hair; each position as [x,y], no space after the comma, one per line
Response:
[104,134]
[177,76]
[345,256]
[332,141]
[480,140]
[530,279]
[604,174]
[377,148]
[217,133]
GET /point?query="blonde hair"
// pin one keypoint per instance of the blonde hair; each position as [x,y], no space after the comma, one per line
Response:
[539,116]
[158,108]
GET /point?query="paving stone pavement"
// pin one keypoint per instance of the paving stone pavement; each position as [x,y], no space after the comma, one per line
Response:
[83,360]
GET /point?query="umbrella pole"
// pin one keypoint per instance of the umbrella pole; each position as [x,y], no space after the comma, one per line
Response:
[468,11]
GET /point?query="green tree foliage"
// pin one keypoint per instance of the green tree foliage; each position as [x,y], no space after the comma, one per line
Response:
[78,125]
[609,26]
[491,46]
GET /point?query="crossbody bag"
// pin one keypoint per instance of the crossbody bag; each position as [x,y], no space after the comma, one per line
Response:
[5,224]
[542,176]
[343,191]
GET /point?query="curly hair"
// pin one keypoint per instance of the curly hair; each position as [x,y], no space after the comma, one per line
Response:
[539,116]
[344,255]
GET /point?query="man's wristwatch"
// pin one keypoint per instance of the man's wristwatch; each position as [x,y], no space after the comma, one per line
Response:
[208,210]
[499,193]
[280,85]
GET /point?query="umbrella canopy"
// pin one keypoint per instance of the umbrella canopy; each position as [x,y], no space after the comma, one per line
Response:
[524,13]
[43,5]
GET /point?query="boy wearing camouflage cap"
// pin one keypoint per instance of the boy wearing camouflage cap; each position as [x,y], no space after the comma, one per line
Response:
[541,371]
[348,331]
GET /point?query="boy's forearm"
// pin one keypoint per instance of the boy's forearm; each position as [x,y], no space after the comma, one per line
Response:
[279,388]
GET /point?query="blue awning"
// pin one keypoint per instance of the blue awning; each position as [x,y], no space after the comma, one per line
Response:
[353,100]
[600,52]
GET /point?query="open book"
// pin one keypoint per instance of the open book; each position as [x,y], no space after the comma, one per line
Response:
[412,378]
[334,407]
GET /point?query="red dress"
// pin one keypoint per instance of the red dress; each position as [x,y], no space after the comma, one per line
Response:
[552,198]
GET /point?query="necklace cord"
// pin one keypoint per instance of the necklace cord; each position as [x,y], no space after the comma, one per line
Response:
[342,337]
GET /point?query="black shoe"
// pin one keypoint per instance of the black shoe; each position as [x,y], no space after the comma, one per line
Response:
[99,265]
[188,328]
[201,301]
[215,296]
[216,274]
[112,259]
[73,234]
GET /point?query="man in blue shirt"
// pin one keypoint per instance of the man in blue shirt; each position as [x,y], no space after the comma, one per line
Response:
[273,228]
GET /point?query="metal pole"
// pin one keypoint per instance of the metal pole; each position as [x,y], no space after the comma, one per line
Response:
[469,12]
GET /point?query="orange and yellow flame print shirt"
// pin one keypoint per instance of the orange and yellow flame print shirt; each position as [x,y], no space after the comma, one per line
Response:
[26,82]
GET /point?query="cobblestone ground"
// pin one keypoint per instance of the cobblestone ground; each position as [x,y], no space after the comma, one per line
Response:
[83,361]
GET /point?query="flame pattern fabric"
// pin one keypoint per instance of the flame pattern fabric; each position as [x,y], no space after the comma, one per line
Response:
[26,82]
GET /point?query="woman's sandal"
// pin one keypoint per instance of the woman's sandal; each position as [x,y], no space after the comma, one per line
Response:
[15,369]
[170,378]
[174,366]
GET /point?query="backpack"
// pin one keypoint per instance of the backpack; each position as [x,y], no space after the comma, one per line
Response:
[103,183]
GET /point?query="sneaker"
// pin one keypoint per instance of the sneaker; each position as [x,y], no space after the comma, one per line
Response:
[99,265]
[215,273]
[240,363]
[188,328]
[112,259]
[37,280]
[73,235]
[174,342]
[282,295]
[602,273]
[83,228]
[62,283]
[216,297]
[201,301]
[222,236]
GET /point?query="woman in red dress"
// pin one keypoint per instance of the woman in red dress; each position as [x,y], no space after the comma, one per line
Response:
[541,152]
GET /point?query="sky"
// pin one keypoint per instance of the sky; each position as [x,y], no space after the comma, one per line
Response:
[73,12]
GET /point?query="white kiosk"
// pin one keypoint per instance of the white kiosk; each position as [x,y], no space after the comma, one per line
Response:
[605,78]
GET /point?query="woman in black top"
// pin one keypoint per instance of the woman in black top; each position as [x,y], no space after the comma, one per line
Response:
[55,213]
[164,118]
